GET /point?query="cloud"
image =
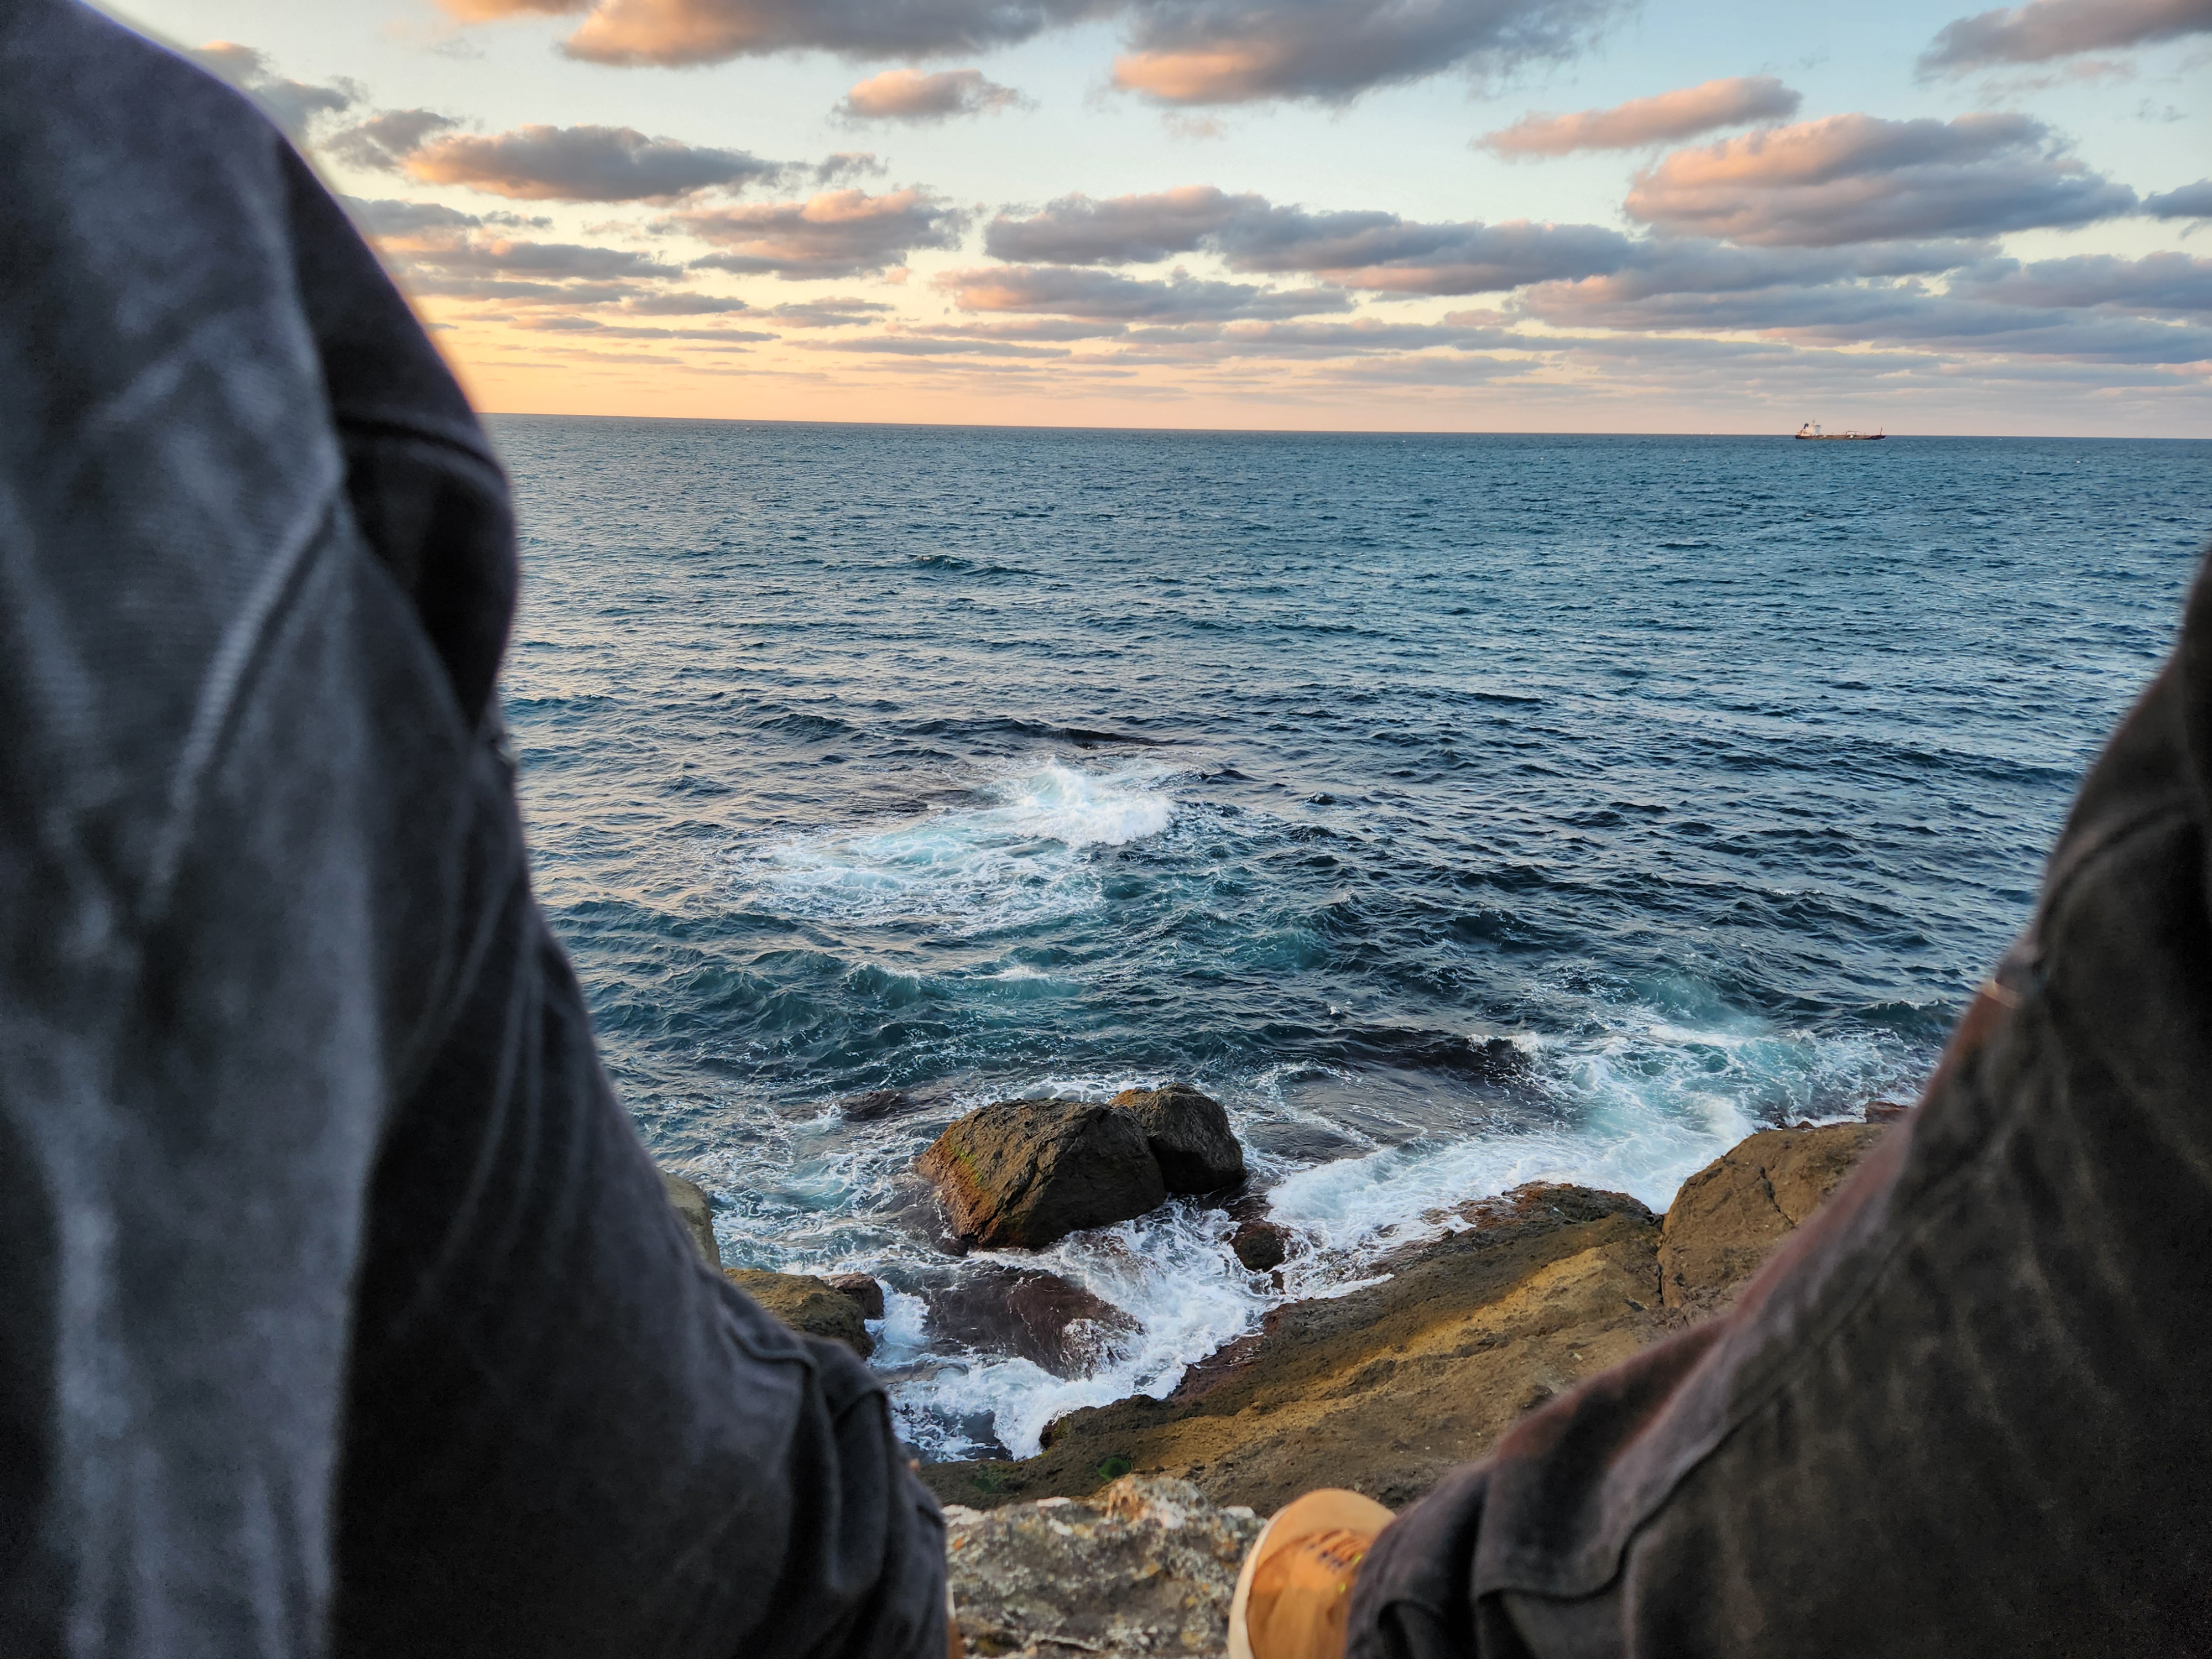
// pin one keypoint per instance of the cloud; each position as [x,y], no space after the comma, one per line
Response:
[1371,250]
[1841,298]
[2190,201]
[838,311]
[924,345]
[1364,337]
[1856,178]
[1192,129]
[291,105]
[1683,113]
[431,243]
[1101,296]
[594,326]
[1081,230]
[846,164]
[674,32]
[2045,29]
[1181,52]
[501,255]
[842,232]
[1032,328]
[681,305]
[384,139]
[907,95]
[420,281]
[1383,252]
[384,217]
[582,164]
[2157,282]
[1234,51]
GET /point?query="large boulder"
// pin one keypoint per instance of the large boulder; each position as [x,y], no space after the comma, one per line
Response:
[1145,1569]
[1039,1318]
[1732,1213]
[811,1306]
[1023,1173]
[689,1199]
[1189,1134]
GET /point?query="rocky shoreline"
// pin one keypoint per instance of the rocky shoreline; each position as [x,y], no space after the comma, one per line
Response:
[1123,1536]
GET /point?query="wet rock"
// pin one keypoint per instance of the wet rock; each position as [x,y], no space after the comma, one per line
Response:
[1885,1111]
[1189,1134]
[866,1292]
[697,1212]
[1732,1213]
[1261,1245]
[809,1305]
[878,1104]
[1556,1200]
[1036,1316]
[1023,1173]
[1146,1568]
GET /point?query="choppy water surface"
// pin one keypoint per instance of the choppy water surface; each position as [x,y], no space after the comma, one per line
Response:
[1710,772]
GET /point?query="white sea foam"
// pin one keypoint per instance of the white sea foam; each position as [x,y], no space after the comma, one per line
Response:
[1018,857]
[1171,1271]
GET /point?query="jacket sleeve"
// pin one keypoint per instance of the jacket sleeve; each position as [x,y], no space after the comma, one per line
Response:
[564,1434]
[339,1305]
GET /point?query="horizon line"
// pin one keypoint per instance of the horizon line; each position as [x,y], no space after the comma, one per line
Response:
[1305,432]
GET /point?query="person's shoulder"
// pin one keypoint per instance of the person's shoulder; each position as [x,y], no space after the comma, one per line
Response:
[71,69]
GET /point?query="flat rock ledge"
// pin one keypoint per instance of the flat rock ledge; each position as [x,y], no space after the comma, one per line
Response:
[1143,1569]
[1388,1388]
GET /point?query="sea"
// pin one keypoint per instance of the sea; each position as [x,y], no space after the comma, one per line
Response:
[873,773]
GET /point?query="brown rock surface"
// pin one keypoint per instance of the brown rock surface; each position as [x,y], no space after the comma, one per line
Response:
[1040,1317]
[1146,1568]
[1189,1134]
[689,1199]
[1730,1213]
[1023,1173]
[809,1305]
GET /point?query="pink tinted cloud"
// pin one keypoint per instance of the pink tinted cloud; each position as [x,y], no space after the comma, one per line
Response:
[581,164]
[2044,29]
[1181,52]
[838,233]
[1859,179]
[1682,113]
[672,32]
[1234,51]
[908,95]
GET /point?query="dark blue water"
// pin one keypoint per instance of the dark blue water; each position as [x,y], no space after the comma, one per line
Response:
[1709,773]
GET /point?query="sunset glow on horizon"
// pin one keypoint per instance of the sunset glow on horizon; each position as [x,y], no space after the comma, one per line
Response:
[1471,215]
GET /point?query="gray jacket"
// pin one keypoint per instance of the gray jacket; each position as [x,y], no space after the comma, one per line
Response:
[340,1309]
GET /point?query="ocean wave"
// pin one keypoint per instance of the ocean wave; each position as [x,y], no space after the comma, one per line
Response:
[1016,856]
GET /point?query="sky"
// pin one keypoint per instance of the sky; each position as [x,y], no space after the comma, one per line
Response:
[1593,216]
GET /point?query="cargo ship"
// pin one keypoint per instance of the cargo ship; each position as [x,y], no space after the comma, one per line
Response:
[1811,429]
